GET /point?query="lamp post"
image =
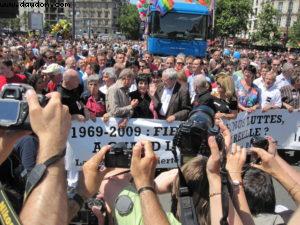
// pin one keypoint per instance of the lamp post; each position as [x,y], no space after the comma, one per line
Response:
[288,21]
[73,19]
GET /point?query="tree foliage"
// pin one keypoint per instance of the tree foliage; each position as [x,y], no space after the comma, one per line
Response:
[129,21]
[294,35]
[63,28]
[267,30]
[10,23]
[232,17]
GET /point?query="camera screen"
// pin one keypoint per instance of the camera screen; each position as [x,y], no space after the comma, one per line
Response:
[9,112]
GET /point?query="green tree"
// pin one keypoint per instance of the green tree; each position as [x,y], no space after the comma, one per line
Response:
[294,35]
[129,21]
[267,32]
[232,17]
[13,24]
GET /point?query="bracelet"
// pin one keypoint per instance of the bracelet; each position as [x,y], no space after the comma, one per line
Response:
[214,194]
[146,188]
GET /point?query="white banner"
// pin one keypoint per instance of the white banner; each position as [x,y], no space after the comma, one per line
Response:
[280,124]
[86,138]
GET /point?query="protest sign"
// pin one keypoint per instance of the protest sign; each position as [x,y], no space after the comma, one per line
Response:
[85,139]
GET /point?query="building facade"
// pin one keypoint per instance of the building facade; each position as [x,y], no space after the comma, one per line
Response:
[95,16]
[24,13]
[289,12]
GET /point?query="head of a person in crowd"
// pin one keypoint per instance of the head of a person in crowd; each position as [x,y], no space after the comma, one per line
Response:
[269,79]
[39,82]
[20,50]
[126,76]
[71,63]
[81,65]
[70,79]
[264,63]
[49,57]
[263,71]
[54,72]
[194,172]
[143,81]
[291,58]
[170,62]
[142,64]
[93,84]
[295,78]
[216,55]
[225,85]
[120,57]
[92,68]
[180,62]
[200,84]
[156,77]
[6,68]
[276,65]
[145,70]
[259,190]
[249,74]
[102,60]
[182,79]
[118,68]
[196,67]
[6,52]
[189,62]
[148,58]
[169,78]
[228,67]
[29,52]
[287,70]
[109,76]
[244,63]
[157,62]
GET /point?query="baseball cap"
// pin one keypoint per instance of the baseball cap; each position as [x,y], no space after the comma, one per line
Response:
[53,68]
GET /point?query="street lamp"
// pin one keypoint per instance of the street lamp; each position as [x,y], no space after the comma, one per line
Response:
[73,19]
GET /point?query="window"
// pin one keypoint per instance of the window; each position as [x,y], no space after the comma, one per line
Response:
[280,6]
[99,13]
[279,20]
[106,14]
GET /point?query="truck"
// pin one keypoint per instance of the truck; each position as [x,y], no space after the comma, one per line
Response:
[184,29]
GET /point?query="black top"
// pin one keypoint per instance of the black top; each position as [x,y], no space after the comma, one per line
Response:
[71,98]
[224,106]
[142,110]
[85,96]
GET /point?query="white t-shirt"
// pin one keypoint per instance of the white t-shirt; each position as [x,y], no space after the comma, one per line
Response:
[270,96]
[281,81]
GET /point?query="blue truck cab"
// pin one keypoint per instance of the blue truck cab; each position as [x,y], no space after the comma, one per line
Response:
[184,29]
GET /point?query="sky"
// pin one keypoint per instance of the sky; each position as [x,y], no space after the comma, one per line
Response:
[133,1]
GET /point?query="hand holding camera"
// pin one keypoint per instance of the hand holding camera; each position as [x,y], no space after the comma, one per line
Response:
[143,167]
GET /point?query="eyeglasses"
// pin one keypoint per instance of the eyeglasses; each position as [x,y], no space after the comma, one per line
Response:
[275,64]
[51,57]
[179,63]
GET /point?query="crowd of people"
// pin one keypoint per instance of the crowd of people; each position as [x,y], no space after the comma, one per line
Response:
[89,79]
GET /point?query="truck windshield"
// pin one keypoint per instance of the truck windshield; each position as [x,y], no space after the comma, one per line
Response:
[180,25]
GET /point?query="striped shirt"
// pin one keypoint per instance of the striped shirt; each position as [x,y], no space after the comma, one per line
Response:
[291,96]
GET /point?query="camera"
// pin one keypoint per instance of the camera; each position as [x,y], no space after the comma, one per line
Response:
[192,136]
[118,156]
[257,142]
[14,107]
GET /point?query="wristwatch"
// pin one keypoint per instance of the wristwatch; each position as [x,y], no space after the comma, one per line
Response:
[73,195]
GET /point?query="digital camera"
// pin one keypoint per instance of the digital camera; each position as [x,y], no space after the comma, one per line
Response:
[14,107]
[192,135]
[118,156]
[257,142]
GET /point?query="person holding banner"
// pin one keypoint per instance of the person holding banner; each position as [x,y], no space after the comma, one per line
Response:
[247,92]
[290,93]
[270,94]
[171,100]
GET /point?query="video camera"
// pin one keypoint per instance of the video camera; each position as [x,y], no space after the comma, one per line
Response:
[192,136]
[118,156]
[14,107]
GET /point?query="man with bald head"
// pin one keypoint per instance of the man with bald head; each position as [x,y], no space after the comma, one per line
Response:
[70,92]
